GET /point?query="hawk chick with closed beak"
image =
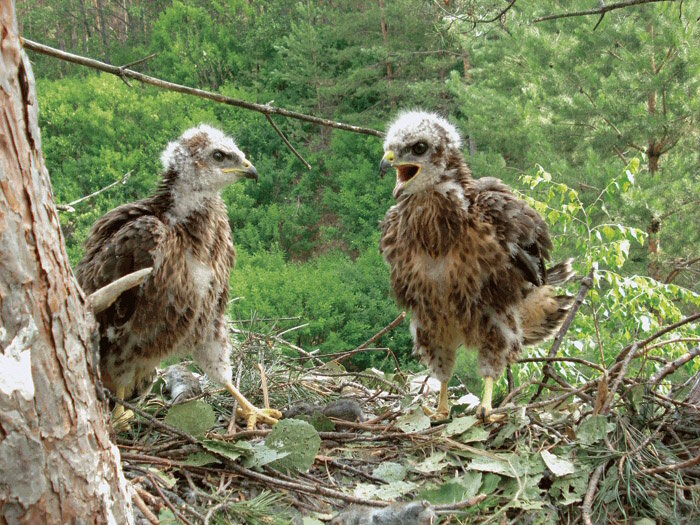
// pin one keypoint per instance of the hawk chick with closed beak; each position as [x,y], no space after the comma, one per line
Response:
[182,232]
[467,256]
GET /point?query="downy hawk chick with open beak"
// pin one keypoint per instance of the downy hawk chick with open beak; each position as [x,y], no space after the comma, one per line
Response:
[467,256]
[182,232]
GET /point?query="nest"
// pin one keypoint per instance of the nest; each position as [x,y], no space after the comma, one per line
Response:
[358,448]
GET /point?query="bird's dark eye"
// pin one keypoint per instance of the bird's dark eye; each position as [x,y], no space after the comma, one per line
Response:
[419,148]
[218,155]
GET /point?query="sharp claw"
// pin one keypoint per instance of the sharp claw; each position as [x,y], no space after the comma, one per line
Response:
[269,416]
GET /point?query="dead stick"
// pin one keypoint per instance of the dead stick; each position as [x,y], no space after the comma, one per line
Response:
[167,502]
[599,11]
[674,466]
[656,335]
[303,487]
[69,207]
[586,283]
[673,365]
[144,508]
[372,339]
[289,144]
[590,492]
[216,97]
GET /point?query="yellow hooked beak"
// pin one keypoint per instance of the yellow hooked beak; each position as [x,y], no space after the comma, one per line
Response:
[248,170]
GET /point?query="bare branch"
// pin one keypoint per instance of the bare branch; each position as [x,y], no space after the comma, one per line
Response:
[586,283]
[284,139]
[69,207]
[216,97]
[599,11]
[103,298]
[673,365]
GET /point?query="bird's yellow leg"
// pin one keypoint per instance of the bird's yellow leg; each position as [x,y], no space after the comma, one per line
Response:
[121,417]
[250,413]
[483,412]
[443,408]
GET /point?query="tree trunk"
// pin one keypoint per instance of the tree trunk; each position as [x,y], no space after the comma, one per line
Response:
[57,464]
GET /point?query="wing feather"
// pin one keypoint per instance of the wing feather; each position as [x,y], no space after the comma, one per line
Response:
[519,228]
[124,240]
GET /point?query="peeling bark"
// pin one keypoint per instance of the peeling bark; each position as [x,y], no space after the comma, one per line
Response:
[57,463]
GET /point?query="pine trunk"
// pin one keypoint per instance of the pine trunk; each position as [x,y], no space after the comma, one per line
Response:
[57,464]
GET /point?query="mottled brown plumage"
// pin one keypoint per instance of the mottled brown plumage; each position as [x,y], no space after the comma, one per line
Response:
[181,231]
[467,256]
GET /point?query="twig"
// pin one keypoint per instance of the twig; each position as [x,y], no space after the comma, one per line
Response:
[586,283]
[499,15]
[69,207]
[673,365]
[459,505]
[167,502]
[139,61]
[284,139]
[590,492]
[303,487]
[599,11]
[216,97]
[383,331]
[673,466]
[620,375]
[561,359]
[640,344]
[135,496]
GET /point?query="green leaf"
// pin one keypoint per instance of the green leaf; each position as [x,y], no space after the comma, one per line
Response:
[263,455]
[193,417]
[459,426]
[231,451]
[490,464]
[433,463]
[166,517]
[413,421]
[559,467]
[594,429]
[474,434]
[391,491]
[169,480]
[298,439]
[199,459]
[389,472]
[448,492]
[308,520]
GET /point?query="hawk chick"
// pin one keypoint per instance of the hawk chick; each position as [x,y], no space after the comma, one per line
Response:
[182,232]
[467,256]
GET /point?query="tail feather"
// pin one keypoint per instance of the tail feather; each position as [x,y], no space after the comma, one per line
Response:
[542,312]
[560,273]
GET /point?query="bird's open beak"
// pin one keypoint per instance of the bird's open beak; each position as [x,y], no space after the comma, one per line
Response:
[248,171]
[387,163]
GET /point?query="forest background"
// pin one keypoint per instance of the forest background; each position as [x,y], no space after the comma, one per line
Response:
[597,127]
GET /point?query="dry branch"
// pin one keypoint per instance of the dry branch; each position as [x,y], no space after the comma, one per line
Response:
[122,72]
[598,11]
[673,365]
[69,207]
[586,283]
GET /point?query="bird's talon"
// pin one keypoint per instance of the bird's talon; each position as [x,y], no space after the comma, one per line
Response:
[120,421]
[268,416]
